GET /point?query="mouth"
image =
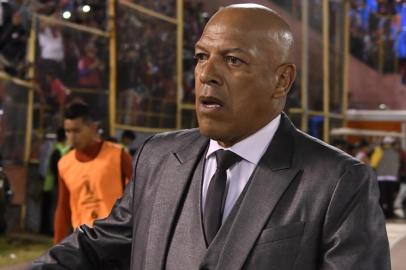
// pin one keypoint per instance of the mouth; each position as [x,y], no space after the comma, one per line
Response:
[210,103]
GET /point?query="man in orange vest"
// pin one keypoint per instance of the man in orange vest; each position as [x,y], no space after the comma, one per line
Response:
[91,177]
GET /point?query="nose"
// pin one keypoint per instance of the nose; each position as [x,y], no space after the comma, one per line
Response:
[70,138]
[209,72]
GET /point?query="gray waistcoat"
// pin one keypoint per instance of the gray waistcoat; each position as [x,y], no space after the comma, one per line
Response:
[188,246]
[188,249]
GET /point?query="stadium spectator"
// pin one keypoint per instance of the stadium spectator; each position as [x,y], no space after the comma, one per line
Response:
[50,186]
[400,200]
[386,161]
[6,12]
[90,68]
[51,49]
[5,197]
[13,43]
[57,92]
[91,176]
[127,139]
[362,151]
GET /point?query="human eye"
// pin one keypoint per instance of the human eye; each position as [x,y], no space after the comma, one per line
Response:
[199,57]
[75,130]
[235,61]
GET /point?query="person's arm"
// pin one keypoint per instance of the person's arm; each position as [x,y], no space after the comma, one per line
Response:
[376,157]
[62,219]
[354,234]
[53,164]
[107,245]
[126,167]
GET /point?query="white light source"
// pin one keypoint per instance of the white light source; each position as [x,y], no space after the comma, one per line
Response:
[66,15]
[86,8]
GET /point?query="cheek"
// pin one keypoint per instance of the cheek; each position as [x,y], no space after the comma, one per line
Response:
[197,81]
[262,91]
[252,103]
[84,138]
[78,137]
[69,137]
[197,72]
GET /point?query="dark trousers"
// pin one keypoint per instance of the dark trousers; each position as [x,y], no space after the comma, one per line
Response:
[387,189]
[47,213]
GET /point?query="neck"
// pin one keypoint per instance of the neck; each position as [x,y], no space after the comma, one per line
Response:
[90,151]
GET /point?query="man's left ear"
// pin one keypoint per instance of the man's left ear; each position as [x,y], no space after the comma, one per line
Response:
[285,75]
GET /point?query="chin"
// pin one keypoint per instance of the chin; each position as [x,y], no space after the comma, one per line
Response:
[77,147]
[207,131]
[212,133]
[216,130]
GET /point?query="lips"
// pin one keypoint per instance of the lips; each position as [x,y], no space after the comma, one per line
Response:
[211,103]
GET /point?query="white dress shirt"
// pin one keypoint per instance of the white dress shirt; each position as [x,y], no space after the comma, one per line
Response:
[251,149]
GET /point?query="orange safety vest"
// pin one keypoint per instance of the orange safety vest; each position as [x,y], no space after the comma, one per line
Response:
[93,186]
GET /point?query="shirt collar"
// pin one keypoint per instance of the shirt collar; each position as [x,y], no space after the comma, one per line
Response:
[253,147]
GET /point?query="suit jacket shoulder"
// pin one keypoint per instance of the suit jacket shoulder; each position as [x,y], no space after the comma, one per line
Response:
[311,152]
[151,160]
[157,148]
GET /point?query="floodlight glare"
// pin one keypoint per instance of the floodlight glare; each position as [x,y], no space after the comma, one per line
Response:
[86,8]
[66,15]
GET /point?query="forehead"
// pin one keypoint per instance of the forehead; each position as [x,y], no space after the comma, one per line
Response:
[234,32]
[223,37]
[222,32]
[74,123]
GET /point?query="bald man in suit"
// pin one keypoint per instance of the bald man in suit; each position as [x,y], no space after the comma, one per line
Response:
[284,200]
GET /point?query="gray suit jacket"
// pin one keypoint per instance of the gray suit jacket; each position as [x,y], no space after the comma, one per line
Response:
[308,206]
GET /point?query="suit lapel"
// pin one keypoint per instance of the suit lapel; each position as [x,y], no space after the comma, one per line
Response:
[270,179]
[175,179]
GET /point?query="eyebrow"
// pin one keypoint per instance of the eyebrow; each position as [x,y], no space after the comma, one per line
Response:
[226,50]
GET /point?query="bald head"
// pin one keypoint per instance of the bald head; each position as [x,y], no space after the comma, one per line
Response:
[243,72]
[260,23]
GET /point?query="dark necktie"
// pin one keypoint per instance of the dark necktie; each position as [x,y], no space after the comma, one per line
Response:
[216,195]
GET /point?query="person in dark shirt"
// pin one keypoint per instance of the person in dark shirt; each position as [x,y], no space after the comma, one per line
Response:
[5,197]
[50,187]
[13,43]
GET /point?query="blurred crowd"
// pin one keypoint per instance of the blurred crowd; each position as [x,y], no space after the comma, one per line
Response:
[378,34]
[147,56]
[147,63]
[388,160]
[69,61]
[13,38]
[377,29]
[64,58]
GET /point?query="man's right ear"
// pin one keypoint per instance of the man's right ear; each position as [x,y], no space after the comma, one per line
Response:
[285,75]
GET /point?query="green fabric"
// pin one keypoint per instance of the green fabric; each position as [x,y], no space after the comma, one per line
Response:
[49,182]
[125,147]
[62,148]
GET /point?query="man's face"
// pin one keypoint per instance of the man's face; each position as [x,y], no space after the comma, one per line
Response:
[79,133]
[235,81]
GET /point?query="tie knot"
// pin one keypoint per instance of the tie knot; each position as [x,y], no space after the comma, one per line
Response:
[225,159]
